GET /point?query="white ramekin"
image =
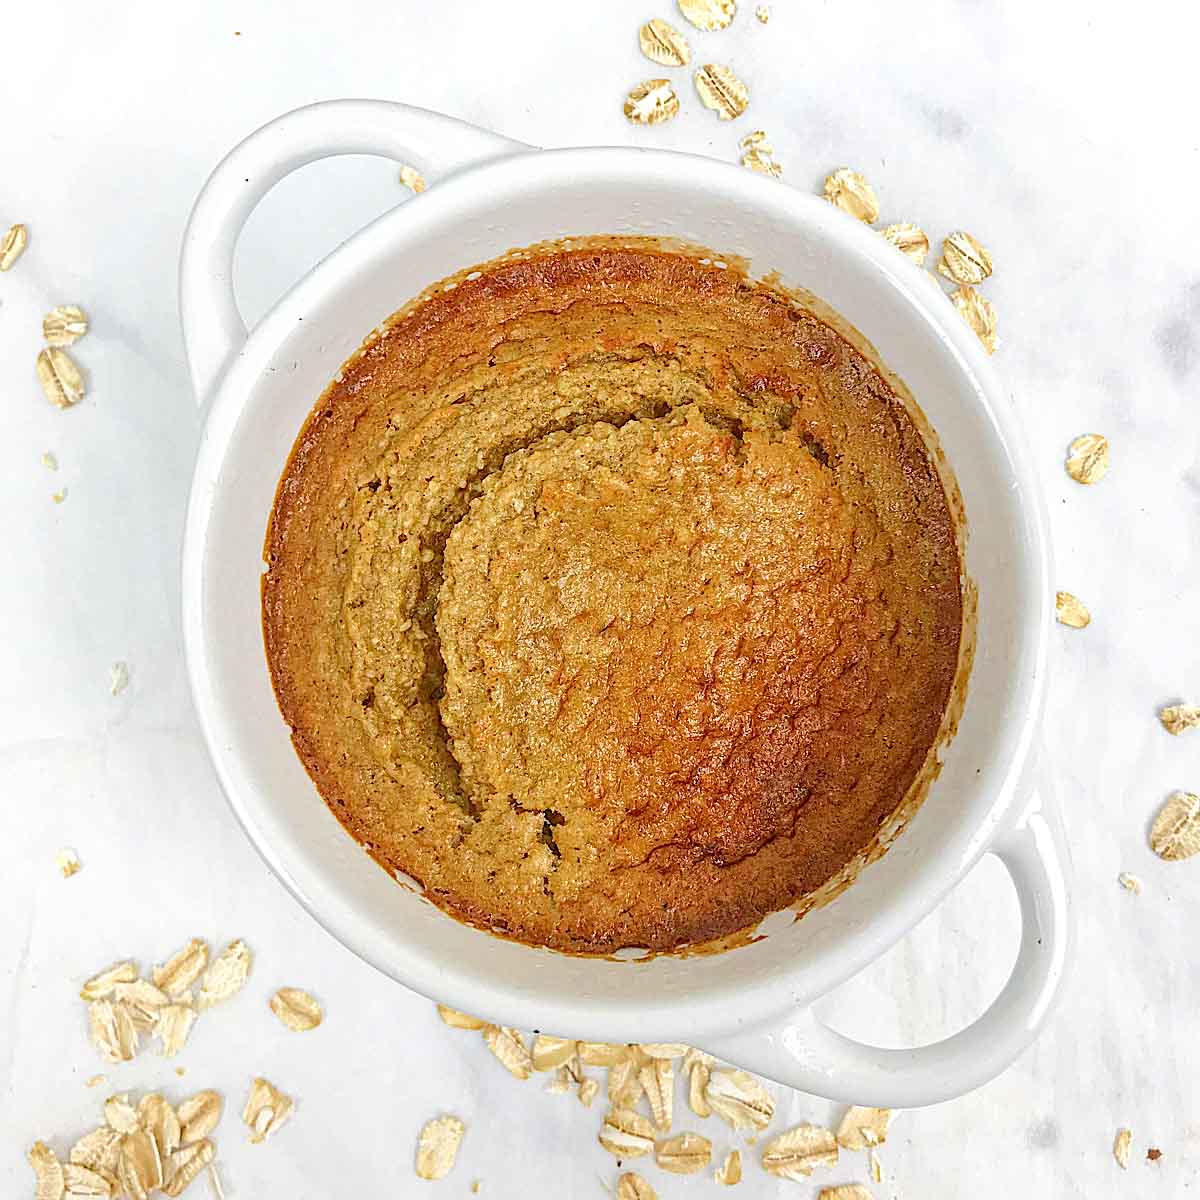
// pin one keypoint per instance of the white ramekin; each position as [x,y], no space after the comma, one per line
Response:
[752,1005]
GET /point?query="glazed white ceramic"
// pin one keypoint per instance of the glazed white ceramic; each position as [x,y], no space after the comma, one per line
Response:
[753,1005]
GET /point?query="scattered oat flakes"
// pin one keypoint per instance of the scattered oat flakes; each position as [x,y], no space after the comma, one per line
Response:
[684,1154]
[1087,458]
[412,179]
[658,1082]
[99,1150]
[709,15]
[161,1122]
[437,1146]
[763,13]
[48,1170]
[459,1020]
[1121,1144]
[626,1134]
[663,1049]
[760,157]
[296,1009]
[476,1186]
[186,1163]
[664,44]
[121,1115]
[49,461]
[697,1084]
[140,1168]
[651,102]
[1175,834]
[101,984]
[624,1082]
[602,1054]
[875,1165]
[113,1031]
[266,1110]
[551,1052]
[1131,883]
[559,1083]
[730,1171]
[173,1026]
[738,1098]
[849,190]
[12,246]
[846,1191]
[199,1116]
[507,1046]
[978,312]
[83,1181]
[796,1153]
[631,1186]
[226,975]
[61,379]
[59,496]
[118,679]
[67,862]
[1178,718]
[722,91]
[1072,611]
[964,259]
[909,239]
[64,325]
[143,1001]
[182,969]
[862,1127]
[93,1081]
[589,1089]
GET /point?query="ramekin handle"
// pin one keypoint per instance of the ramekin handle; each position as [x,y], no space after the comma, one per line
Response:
[803,1052]
[436,145]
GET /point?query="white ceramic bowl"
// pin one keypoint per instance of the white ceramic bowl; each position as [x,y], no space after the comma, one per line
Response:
[751,1005]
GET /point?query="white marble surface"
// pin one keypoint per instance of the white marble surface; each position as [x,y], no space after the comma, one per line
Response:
[1064,138]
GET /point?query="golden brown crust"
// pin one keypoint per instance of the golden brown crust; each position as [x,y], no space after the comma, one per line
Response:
[613,598]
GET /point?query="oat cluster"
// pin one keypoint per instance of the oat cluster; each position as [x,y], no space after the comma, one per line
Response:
[61,379]
[151,1146]
[139,1151]
[964,261]
[719,89]
[126,1010]
[57,372]
[640,1082]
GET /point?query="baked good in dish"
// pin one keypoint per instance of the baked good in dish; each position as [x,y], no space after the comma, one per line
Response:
[612,597]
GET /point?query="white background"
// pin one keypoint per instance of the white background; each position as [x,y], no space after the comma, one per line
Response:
[1063,136]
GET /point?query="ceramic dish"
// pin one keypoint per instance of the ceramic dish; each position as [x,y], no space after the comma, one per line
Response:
[752,1005]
